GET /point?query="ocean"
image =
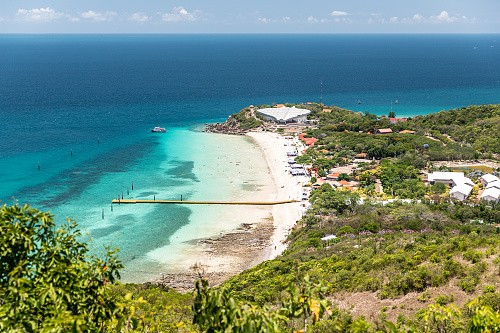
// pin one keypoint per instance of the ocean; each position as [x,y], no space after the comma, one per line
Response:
[75,114]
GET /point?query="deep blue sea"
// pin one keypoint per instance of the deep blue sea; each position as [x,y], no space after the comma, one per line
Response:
[81,106]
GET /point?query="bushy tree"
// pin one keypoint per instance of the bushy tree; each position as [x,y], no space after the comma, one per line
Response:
[48,281]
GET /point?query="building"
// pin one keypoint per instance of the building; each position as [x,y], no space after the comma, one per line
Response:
[308,141]
[384,131]
[284,114]
[488,178]
[461,186]
[491,194]
[495,184]
[407,132]
[449,178]
[461,192]
[362,155]
[397,120]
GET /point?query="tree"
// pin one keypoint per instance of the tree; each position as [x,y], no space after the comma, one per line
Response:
[48,281]
[392,114]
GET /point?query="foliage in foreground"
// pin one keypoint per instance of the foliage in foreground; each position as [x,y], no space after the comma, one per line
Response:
[48,281]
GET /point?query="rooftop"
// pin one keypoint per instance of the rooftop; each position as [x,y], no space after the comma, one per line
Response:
[284,113]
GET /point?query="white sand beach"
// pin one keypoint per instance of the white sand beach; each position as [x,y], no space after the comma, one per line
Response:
[275,148]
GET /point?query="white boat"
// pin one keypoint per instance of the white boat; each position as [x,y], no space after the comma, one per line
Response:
[158,130]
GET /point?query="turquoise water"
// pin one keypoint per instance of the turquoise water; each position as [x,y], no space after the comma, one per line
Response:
[81,107]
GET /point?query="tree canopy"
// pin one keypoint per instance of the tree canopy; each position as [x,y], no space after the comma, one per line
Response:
[48,280]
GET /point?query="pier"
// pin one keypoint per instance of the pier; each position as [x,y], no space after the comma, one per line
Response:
[183,202]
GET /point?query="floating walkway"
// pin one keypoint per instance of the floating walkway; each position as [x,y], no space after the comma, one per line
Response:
[184,202]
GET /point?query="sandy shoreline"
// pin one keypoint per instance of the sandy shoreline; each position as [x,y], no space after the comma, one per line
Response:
[262,232]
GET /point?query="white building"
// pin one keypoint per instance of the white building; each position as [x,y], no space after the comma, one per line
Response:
[494,184]
[449,178]
[461,185]
[284,114]
[461,191]
[488,178]
[491,194]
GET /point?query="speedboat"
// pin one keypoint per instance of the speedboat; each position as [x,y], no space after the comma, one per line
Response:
[158,130]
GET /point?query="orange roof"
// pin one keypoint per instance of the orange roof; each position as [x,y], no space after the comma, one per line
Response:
[344,183]
[279,106]
[395,120]
[407,132]
[333,175]
[327,110]
[310,141]
[307,141]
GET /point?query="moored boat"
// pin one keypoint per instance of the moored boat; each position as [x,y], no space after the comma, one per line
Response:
[158,129]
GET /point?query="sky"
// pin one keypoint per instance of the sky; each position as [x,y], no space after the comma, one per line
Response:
[250,16]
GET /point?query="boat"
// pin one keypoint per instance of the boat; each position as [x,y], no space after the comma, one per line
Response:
[158,130]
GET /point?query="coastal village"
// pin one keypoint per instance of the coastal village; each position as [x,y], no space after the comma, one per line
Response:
[294,125]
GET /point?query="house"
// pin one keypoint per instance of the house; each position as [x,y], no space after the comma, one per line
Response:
[449,178]
[384,131]
[461,185]
[333,176]
[361,155]
[279,106]
[327,110]
[488,178]
[407,132]
[352,185]
[397,120]
[461,191]
[308,141]
[491,194]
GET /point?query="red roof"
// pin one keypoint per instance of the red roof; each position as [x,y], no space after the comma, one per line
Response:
[395,120]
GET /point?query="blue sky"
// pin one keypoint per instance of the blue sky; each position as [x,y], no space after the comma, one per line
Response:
[250,16]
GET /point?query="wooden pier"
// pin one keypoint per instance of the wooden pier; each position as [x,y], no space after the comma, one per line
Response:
[187,202]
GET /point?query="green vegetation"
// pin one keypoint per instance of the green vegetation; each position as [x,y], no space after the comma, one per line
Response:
[48,282]
[245,119]
[474,125]
[465,133]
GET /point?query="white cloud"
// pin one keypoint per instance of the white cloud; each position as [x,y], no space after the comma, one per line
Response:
[394,19]
[338,13]
[265,20]
[312,19]
[286,19]
[444,17]
[98,16]
[46,14]
[139,17]
[417,18]
[179,14]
